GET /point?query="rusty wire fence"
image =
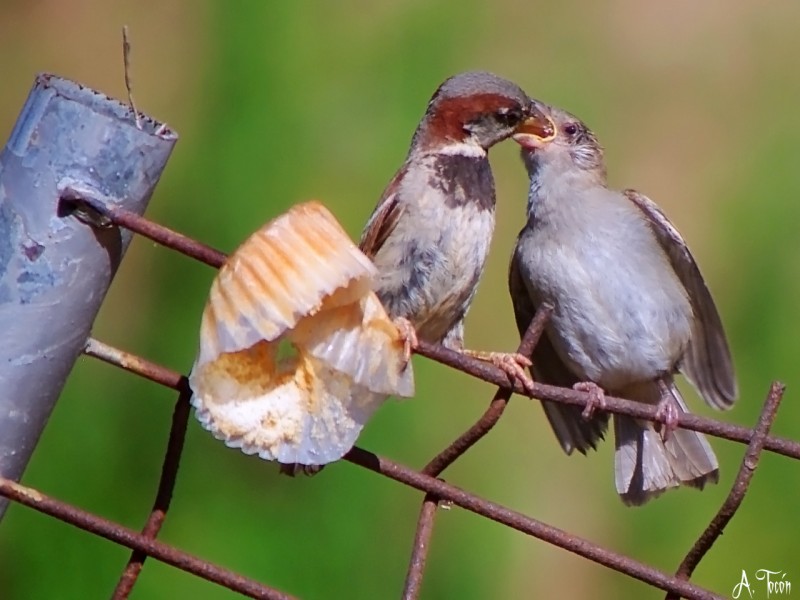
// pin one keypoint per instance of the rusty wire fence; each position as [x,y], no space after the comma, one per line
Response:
[145,543]
[99,214]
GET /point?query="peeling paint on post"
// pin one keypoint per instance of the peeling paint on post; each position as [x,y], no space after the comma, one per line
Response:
[55,269]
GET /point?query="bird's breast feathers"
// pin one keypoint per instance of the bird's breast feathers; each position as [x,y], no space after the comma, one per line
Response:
[621,313]
[430,266]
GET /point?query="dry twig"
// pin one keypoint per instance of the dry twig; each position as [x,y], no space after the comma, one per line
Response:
[126,63]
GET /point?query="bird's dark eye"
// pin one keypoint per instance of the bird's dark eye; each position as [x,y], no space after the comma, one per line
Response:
[509,116]
[570,129]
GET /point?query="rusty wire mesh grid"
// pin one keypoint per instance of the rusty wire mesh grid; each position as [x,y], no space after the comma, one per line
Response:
[145,543]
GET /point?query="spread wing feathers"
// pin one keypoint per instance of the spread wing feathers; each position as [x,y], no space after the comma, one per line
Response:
[280,274]
[707,362]
[297,410]
[384,218]
[361,342]
[572,430]
[296,351]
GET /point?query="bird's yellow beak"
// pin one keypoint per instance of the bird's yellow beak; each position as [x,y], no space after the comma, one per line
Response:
[535,131]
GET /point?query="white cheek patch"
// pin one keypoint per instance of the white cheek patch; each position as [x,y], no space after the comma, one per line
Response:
[296,351]
[471,149]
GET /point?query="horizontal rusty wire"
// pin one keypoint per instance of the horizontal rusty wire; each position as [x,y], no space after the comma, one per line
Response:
[113,214]
[430,485]
[491,374]
[136,541]
[144,544]
[135,364]
[468,364]
[491,510]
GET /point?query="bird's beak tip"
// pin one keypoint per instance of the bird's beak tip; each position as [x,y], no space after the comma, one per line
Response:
[535,132]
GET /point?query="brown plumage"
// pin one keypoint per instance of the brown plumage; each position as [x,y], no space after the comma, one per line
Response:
[430,232]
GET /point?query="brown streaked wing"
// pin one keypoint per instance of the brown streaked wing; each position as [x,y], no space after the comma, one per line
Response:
[384,218]
[707,362]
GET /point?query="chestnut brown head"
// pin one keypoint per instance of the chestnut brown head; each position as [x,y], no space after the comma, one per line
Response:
[475,108]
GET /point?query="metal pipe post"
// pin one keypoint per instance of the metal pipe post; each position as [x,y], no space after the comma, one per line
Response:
[55,264]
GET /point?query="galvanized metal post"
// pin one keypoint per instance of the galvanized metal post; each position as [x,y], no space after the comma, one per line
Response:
[55,268]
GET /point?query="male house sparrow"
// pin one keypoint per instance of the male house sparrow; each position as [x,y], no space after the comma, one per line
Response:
[630,310]
[430,233]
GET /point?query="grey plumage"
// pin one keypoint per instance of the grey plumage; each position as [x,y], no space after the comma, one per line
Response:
[631,309]
[475,83]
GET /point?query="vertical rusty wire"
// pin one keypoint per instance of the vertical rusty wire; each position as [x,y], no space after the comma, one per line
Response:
[166,485]
[740,486]
[425,521]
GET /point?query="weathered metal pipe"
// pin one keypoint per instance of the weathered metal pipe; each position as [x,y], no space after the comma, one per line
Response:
[55,266]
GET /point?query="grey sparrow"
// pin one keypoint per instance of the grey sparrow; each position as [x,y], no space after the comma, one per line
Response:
[630,310]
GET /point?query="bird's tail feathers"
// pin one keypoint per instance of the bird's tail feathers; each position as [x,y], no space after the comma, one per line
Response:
[572,430]
[645,465]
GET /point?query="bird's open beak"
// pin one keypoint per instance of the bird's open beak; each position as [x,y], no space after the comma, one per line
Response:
[536,131]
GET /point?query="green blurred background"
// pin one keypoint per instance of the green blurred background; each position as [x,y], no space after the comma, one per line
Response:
[279,102]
